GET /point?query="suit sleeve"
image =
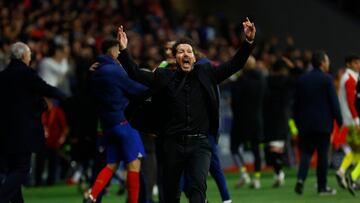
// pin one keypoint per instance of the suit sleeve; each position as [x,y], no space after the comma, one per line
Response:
[42,88]
[335,106]
[350,86]
[237,62]
[135,73]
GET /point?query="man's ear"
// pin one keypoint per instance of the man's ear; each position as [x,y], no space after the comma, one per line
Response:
[23,57]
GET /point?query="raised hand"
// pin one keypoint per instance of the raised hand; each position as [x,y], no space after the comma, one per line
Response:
[122,38]
[249,29]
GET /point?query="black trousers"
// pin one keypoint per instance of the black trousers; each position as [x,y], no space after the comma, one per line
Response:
[159,152]
[308,144]
[238,157]
[148,164]
[186,154]
[15,169]
[52,157]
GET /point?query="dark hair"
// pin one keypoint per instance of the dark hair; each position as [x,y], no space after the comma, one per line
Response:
[184,40]
[351,57]
[107,44]
[279,65]
[317,58]
[53,47]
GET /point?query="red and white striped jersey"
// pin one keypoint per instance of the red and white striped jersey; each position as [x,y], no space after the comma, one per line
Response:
[347,93]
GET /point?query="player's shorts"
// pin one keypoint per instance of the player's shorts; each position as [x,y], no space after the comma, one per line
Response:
[123,143]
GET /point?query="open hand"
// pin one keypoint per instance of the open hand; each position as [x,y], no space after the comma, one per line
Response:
[249,29]
[122,38]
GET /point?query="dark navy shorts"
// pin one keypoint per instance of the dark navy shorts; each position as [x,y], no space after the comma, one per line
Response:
[123,143]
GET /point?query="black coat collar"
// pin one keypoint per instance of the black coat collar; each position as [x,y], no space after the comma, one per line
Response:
[17,64]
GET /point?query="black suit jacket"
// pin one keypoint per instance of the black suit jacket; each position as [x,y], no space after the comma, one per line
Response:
[248,93]
[316,104]
[277,107]
[209,77]
[21,105]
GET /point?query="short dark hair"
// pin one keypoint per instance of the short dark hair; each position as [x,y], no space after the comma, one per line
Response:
[53,47]
[351,57]
[183,40]
[279,65]
[107,44]
[318,57]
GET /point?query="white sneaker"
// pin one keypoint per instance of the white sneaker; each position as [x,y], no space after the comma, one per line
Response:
[88,198]
[155,190]
[340,177]
[255,184]
[279,180]
[244,180]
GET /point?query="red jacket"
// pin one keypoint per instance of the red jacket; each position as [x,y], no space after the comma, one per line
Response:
[55,126]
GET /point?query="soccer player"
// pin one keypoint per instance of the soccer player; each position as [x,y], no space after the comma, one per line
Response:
[110,87]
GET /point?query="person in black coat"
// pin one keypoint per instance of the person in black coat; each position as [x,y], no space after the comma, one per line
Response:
[190,110]
[21,131]
[316,106]
[247,94]
[276,111]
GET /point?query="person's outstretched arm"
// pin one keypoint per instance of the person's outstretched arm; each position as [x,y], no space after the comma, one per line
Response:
[238,61]
[42,88]
[144,77]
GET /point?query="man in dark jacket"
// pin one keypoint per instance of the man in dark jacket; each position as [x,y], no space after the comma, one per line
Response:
[247,94]
[316,106]
[190,110]
[276,109]
[21,131]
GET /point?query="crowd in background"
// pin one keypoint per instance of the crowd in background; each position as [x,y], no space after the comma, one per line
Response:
[65,38]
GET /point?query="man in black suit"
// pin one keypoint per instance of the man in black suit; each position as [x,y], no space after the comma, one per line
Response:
[21,131]
[315,107]
[190,110]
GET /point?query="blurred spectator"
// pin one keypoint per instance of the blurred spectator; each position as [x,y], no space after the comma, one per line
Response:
[55,68]
[169,61]
[248,93]
[277,108]
[353,177]
[83,57]
[347,94]
[4,55]
[56,130]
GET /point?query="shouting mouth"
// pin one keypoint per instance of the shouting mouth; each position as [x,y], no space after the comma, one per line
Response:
[186,61]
